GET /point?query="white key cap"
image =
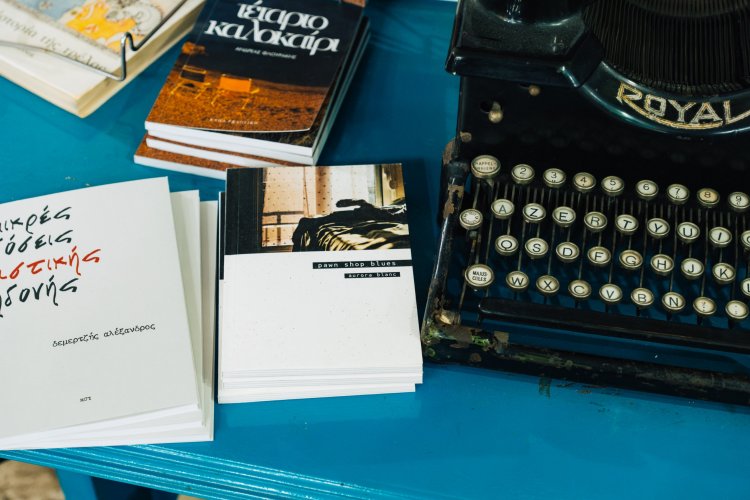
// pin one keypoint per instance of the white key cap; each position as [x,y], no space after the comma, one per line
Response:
[522,174]
[503,209]
[736,310]
[583,182]
[579,289]
[506,245]
[534,213]
[553,177]
[688,232]
[631,260]
[595,221]
[567,251]
[723,273]
[547,285]
[745,287]
[613,185]
[564,216]
[708,197]
[657,228]
[646,189]
[599,256]
[536,248]
[642,297]
[673,302]
[720,237]
[662,264]
[678,194]
[704,306]
[692,269]
[626,224]
[470,218]
[739,201]
[745,239]
[517,281]
[485,167]
[610,293]
[479,276]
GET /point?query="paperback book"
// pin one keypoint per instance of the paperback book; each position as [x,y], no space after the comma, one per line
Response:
[106,317]
[322,255]
[263,79]
[77,41]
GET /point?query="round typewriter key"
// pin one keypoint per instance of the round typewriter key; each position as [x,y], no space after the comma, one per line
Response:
[704,306]
[626,224]
[506,245]
[745,239]
[678,194]
[579,289]
[503,209]
[547,285]
[470,218]
[479,276]
[567,251]
[533,213]
[517,281]
[673,302]
[662,264]
[564,216]
[599,256]
[657,228]
[631,260]
[536,248]
[610,293]
[522,173]
[613,186]
[745,287]
[736,310]
[708,197]
[646,189]
[583,182]
[688,232]
[642,297]
[720,237]
[692,269]
[739,202]
[554,177]
[723,273]
[485,167]
[595,221]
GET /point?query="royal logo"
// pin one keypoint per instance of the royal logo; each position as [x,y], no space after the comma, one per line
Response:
[686,115]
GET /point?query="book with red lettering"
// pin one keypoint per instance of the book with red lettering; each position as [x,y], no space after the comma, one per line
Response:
[106,317]
[263,78]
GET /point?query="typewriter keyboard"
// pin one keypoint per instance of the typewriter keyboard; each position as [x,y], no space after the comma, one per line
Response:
[566,249]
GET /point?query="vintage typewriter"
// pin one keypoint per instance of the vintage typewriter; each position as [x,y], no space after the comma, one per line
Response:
[595,221]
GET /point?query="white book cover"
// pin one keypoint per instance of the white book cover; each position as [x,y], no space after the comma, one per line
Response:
[317,275]
[94,326]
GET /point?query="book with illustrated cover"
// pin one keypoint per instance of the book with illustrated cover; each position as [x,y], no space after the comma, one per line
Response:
[322,255]
[106,322]
[263,79]
[89,32]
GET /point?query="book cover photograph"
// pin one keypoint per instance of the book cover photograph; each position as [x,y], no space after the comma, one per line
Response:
[263,66]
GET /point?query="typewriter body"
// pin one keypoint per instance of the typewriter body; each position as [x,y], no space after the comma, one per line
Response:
[594,213]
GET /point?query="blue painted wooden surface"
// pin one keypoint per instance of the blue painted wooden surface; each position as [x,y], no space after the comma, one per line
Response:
[465,432]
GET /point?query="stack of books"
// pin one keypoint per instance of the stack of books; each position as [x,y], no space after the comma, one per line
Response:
[63,51]
[107,310]
[317,292]
[257,84]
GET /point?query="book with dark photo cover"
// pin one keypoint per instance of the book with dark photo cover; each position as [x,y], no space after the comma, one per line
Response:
[323,255]
[263,78]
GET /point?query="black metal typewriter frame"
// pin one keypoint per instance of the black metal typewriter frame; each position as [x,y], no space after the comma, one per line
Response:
[570,76]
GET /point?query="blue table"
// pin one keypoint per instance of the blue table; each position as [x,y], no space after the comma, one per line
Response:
[465,432]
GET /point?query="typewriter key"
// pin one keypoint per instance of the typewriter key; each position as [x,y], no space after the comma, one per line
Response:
[739,202]
[536,248]
[631,260]
[506,245]
[673,302]
[595,221]
[704,307]
[547,285]
[642,297]
[678,194]
[583,182]
[533,213]
[485,167]
[479,276]
[745,239]
[610,293]
[657,228]
[745,287]
[553,177]
[646,190]
[567,251]
[688,232]
[613,186]
[692,269]
[723,273]
[579,289]
[564,216]
[522,173]
[708,197]
[503,209]
[720,237]
[599,256]
[470,218]
[517,281]
[736,310]
[662,264]
[626,224]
